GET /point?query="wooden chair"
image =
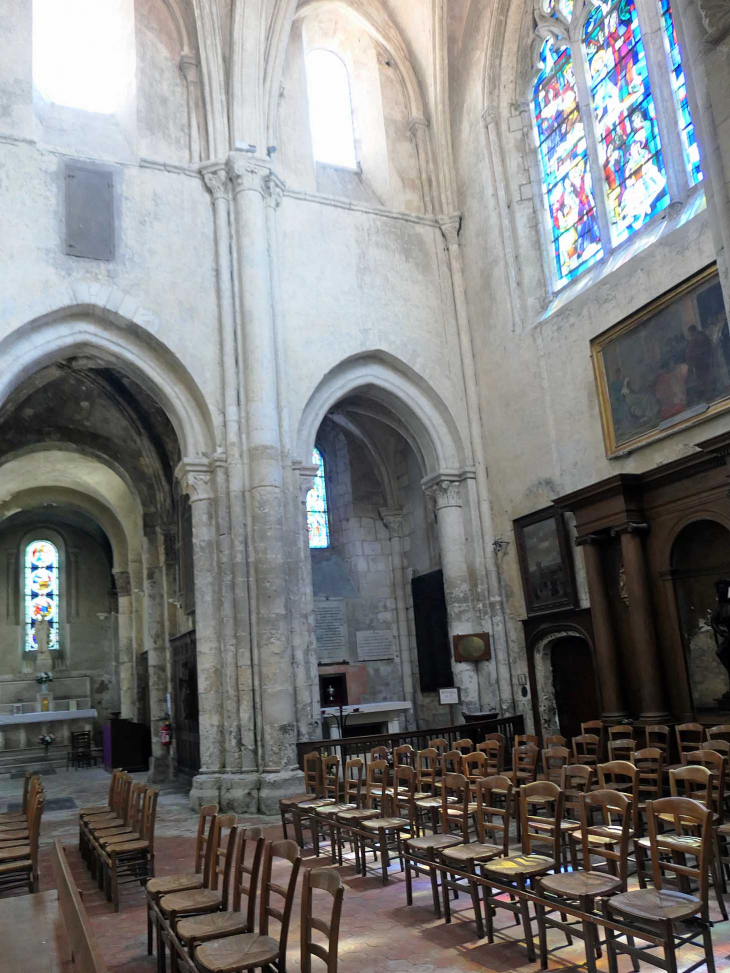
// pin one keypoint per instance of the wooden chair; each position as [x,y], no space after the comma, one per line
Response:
[523,739]
[19,862]
[80,752]
[438,743]
[197,929]
[464,746]
[109,806]
[621,731]
[380,753]
[419,852]
[717,763]
[657,736]
[518,870]
[133,860]
[182,881]
[118,815]
[326,815]
[650,764]
[658,910]
[524,771]
[386,831]
[622,748]
[312,789]
[723,748]
[719,732]
[553,761]
[620,775]
[259,950]
[493,814]
[475,768]
[585,885]
[493,751]
[586,749]
[556,740]
[595,728]
[689,738]
[452,762]
[404,755]
[330,882]
[575,779]
[501,739]
[347,821]
[102,837]
[301,813]
[18,828]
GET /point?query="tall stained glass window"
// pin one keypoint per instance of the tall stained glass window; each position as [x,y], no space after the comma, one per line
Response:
[566,175]
[41,591]
[317,516]
[601,151]
[679,90]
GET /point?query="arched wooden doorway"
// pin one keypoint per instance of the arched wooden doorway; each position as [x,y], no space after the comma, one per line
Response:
[700,557]
[574,682]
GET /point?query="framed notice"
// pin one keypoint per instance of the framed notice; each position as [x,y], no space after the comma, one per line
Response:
[373,646]
[449,697]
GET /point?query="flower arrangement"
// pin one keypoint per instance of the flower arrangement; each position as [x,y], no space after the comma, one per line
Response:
[45,740]
[43,677]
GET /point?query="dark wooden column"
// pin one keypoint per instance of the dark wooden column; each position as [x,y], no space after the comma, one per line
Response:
[603,634]
[643,637]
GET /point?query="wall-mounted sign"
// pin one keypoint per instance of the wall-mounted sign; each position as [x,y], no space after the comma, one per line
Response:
[472,648]
[330,630]
[373,646]
[449,697]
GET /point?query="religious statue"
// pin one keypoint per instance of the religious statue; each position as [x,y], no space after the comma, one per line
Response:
[44,660]
[720,622]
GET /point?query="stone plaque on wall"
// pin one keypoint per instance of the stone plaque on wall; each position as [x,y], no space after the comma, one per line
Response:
[374,645]
[330,630]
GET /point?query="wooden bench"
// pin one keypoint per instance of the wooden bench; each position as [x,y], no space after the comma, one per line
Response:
[49,932]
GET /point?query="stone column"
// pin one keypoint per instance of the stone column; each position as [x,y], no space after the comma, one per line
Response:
[644,647]
[603,634]
[136,572]
[197,482]
[418,126]
[155,647]
[253,183]
[445,494]
[125,616]
[168,560]
[305,651]
[393,520]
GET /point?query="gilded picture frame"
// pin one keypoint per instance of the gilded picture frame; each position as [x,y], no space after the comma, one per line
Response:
[546,564]
[665,367]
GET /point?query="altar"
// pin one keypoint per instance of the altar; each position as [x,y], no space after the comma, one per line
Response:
[23,719]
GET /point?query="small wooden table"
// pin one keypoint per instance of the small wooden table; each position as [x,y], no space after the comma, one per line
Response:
[33,935]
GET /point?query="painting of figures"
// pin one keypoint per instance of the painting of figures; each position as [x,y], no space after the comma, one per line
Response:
[666,366]
[545,562]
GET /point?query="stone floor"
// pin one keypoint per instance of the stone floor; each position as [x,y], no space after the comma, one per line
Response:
[380,934]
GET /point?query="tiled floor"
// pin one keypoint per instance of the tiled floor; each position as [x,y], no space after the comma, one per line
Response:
[380,934]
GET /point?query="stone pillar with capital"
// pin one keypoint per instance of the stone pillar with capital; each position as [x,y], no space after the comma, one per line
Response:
[197,481]
[603,633]
[643,637]
[156,648]
[444,492]
[393,520]
[125,623]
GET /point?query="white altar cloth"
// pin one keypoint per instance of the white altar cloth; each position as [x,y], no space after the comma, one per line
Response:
[55,716]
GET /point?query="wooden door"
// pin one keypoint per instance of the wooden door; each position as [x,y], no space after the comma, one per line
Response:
[185,703]
[574,681]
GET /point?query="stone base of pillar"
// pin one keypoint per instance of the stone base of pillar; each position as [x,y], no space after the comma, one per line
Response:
[206,789]
[272,787]
[240,793]
[614,717]
[662,717]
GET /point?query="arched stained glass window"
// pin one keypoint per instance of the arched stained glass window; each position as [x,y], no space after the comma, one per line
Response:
[42,585]
[566,175]
[317,516]
[679,90]
[602,143]
[330,109]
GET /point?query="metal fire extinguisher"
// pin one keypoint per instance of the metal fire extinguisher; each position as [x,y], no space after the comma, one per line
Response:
[166,733]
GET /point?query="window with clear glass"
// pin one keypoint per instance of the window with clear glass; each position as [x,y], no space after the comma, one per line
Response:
[42,585]
[330,109]
[317,515]
[600,144]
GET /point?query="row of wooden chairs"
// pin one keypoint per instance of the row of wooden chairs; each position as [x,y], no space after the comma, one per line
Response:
[117,840]
[205,928]
[19,840]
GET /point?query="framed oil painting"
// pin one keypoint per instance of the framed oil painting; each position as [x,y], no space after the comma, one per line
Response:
[546,564]
[664,367]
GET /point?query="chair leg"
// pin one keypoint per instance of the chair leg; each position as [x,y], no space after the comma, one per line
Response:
[526,922]
[670,953]
[283,824]
[717,885]
[707,944]
[610,946]
[384,857]
[409,881]
[541,935]
[474,889]
[149,930]
[434,884]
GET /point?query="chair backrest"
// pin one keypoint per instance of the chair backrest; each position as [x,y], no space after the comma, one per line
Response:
[595,728]
[556,740]
[80,741]
[404,754]
[524,762]
[650,764]
[352,793]
[26,788]
[438,743]
[717,763]
[427,765]
[34,827]
[313,773]
[123,797]
[522,739]
[719,732]
[137,795]
[615,810]
[682,809]
[493,750]
[375,782]
[87,957]
[622,748]
[452,762]
[331,777]
[657,735]
[113,782]
[620,775]
[553,761]
[379,753]
[719,746]
[149,816]
[576,779]
[464,746]
[475,765]
[246,871]
[286,851]
[693,781]
[621,731]
[586,748]
[454,798]
[404,790]
[223,847]
[689,737]
[205,825]
[543,794]
[494,810]
[36,785]
[329,881]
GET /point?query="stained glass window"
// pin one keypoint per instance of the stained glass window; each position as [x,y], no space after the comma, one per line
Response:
[679,90]
[317,518]
[629,145]
[41,591]
[566,176]
[564,6]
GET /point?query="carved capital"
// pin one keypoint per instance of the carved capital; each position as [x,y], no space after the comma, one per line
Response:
[450,226]
[630,528]
[444,492]
[273,190]
[716,18]
[306,480]
[490,116]
[417,123]
[124,583]
[195,479]
[215,178]
[393,520]
[247,173]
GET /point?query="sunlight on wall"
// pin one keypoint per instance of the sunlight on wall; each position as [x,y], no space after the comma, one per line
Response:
[330,109]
